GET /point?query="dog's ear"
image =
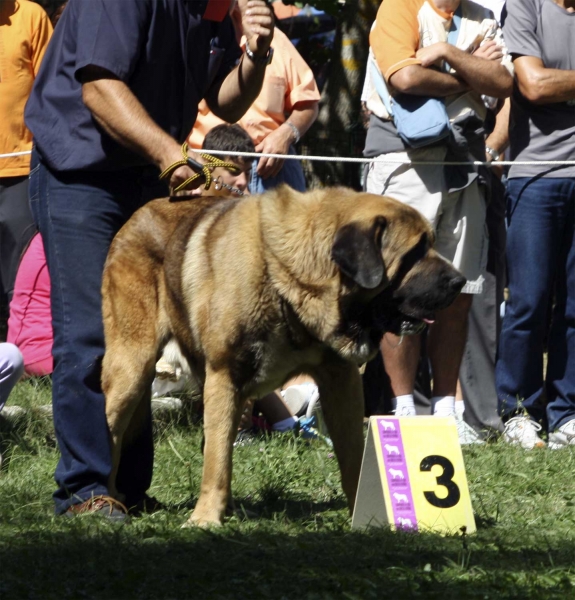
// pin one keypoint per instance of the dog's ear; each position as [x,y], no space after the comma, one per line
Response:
[357,252]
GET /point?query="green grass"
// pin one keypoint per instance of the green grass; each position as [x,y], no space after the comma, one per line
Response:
[300,545]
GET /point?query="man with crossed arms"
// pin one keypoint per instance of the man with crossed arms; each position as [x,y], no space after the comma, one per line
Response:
[409,43]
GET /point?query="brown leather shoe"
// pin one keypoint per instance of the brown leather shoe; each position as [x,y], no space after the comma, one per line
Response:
[104,506]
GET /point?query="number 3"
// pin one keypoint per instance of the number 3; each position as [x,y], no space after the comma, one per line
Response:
[445,480]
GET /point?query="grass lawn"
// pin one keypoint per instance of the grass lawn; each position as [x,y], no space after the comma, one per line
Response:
[299,546]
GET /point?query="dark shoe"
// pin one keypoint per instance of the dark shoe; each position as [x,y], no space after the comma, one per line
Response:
[104,506]
[145,506]
[249,436]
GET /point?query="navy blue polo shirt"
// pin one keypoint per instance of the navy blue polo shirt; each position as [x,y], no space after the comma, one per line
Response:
[163,50]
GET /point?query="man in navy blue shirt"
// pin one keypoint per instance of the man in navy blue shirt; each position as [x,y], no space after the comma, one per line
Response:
[115,98]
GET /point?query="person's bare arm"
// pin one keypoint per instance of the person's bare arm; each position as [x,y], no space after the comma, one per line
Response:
[418,80]
[231,98]
[124,119]
[541,85]
[278,141]
[484,76]
[498,139]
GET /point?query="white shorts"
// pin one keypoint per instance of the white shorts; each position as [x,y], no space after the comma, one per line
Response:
[458,217]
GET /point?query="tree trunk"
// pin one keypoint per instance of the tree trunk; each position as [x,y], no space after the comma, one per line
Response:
[338,130]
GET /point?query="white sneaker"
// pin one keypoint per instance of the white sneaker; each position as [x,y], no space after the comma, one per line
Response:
[298,397]
[467,435]
[564,436]
[168,403]
[405,411]
[524,431]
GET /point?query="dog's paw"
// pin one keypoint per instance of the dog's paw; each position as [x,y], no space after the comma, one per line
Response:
[203,522]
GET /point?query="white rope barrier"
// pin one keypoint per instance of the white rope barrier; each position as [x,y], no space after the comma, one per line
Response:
[397,161]
[11,154]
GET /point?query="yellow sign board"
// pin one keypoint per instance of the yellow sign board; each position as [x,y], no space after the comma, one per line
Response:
[413,477]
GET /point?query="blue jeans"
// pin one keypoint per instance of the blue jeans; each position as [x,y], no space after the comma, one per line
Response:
[78,214]
[541,269]
[290,173]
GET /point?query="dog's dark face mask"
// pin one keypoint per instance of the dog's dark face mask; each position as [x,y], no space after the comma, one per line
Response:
[424,284]
[401,300]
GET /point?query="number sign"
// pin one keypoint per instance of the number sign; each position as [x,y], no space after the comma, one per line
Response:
[413,477]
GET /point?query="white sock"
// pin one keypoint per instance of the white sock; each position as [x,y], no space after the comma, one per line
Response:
[404,405]
[443,406]
[459,408]
[285,424]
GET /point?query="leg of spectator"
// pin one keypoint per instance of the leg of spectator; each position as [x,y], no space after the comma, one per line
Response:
[17,228]
[447,337]
[11,369]
[477,372]
[533,238]
[401,358]
[421,188]
[560,380]
[78,220]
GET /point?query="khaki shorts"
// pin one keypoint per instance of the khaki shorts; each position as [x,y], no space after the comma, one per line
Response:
[458,217]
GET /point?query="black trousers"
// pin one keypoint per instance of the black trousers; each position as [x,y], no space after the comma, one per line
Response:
[17,229]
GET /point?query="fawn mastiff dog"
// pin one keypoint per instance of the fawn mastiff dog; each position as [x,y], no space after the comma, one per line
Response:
[259,289]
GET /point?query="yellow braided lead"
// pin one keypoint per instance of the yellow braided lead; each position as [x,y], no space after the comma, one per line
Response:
[205,170]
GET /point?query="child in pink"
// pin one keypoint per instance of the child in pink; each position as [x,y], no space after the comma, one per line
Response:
[30,322]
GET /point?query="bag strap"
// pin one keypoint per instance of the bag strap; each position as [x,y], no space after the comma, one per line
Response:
[455,27]
[379,84]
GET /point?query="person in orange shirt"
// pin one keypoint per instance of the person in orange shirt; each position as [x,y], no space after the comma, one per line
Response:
[24,34]
[285,109]
[25,30]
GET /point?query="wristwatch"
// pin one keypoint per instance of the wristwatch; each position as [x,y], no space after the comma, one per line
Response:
[495,156]
[260,60]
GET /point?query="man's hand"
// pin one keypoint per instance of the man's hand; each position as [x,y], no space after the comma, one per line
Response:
[490,50]
[431,55]
[484,76]
[257,24]
[279,140]
[183,172]
[230,99]
[276,142]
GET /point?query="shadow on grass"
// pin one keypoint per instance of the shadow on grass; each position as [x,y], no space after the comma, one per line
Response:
[151,559]
[288,509]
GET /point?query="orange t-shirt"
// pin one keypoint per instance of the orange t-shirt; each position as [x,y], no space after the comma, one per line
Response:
[288,80]
[24,34]
[395,37]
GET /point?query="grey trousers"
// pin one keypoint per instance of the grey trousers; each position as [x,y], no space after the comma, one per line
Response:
[477,373]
